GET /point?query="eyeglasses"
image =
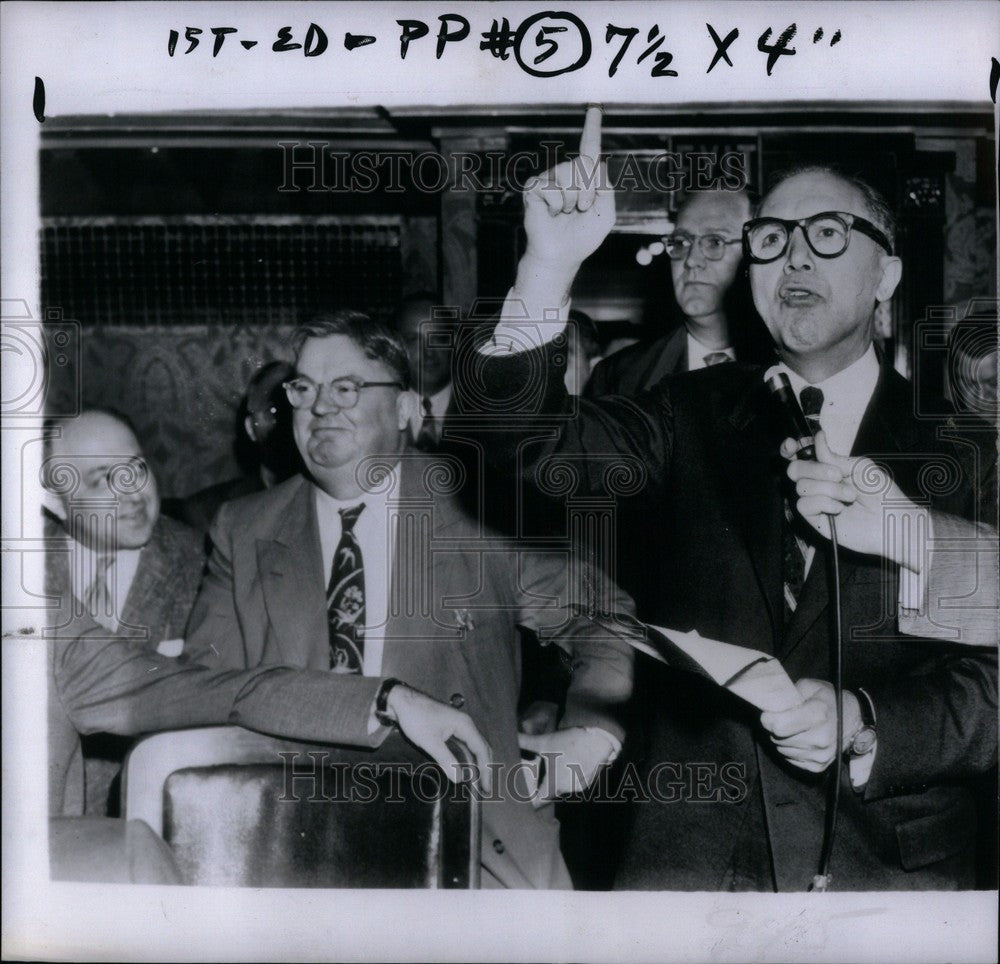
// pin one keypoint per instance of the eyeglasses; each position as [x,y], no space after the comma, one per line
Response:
[712,246]
[828,234]
[302,391]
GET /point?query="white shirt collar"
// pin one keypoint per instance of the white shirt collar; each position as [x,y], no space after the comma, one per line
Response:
[846,395]
[120,574]
[696,353]
[375,501]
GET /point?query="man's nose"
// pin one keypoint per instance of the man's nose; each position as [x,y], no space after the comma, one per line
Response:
[695,256]
[799,256]
[325,401]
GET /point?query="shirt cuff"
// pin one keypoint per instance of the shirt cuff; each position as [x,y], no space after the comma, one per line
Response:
[614,744]
[860,768]
[523,327]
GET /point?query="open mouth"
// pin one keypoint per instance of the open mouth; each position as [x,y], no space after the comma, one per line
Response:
[798,295]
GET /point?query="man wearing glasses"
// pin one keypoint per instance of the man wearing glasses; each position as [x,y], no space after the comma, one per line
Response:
[704,252]
[366,567]
[737,566]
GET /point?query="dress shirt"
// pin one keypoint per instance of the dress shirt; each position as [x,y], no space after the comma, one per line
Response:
[696,353]
[439,406]
[120,575]
[377,554]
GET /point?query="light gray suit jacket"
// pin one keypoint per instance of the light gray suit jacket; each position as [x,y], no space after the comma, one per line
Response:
[457,595]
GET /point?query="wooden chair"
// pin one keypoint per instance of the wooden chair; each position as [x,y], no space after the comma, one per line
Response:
[241,809]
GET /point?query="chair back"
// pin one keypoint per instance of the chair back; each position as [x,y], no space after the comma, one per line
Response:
[241,809]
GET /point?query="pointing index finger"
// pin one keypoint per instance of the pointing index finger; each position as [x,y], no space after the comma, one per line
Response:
[590,139]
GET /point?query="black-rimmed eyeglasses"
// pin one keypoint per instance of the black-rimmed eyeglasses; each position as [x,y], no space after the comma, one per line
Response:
[828,234]
[712,246]
[302,391]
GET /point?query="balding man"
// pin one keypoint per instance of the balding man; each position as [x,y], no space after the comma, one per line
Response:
[132,570]
[705,256]
[919,717]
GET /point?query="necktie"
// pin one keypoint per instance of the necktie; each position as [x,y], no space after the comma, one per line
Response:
[793,545]
[345,599]
[99,601]
[716,358]
[427,437]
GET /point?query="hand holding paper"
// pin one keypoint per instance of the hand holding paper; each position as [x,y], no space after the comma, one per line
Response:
[806,735]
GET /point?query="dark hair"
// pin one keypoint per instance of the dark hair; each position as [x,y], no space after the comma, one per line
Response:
[376,340]
[265,385]
[876,205]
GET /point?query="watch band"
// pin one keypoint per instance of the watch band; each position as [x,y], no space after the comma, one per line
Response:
[867,707]
[382,701]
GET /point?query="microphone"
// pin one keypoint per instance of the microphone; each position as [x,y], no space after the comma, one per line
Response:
[781,390]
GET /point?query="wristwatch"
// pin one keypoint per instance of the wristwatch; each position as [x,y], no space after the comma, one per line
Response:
[863,741]
[382,701]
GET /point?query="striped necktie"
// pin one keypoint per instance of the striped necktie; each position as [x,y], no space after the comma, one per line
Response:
[427,438]
[794,546]
[99,601]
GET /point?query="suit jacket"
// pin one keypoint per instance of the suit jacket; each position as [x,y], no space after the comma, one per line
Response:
[198,510]
[156,608]
[451,633]
[712,470]
[102,682]
[963,594]
[639,367]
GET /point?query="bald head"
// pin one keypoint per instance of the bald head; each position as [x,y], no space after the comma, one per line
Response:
[106,466]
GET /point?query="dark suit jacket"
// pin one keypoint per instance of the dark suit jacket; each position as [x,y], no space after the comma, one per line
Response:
[639,367]
[451,632]
[710,451]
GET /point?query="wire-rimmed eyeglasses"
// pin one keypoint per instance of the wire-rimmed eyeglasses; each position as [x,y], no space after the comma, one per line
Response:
[302,391]
[828,234]
[712,246]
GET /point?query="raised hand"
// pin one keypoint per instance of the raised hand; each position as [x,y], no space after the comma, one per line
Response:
[568,211]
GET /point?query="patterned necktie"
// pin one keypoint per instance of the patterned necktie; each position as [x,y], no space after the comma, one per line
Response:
[716,358]
[794,546]
[345,599]
[427,437]
[99,602]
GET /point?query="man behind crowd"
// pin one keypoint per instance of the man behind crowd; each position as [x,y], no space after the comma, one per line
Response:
[919,717]
[264,448]
[361,567]
[429,353]
[705,256]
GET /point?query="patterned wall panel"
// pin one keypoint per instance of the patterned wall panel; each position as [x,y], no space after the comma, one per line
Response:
[181,386]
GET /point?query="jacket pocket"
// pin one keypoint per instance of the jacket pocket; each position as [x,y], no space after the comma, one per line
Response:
[926,840]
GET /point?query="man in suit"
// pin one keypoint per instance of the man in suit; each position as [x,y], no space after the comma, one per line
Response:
[136,571]
[362,567]
[919,716]
[113,642]
[428,351]
[704,252]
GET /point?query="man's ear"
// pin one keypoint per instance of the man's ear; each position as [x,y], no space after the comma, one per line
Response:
[892,271]
[406,406]
[54,504]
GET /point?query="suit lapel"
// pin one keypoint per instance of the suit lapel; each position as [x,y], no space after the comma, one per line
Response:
[748,464]
[421,578]
[880,431]
[145,603]
[291,576]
